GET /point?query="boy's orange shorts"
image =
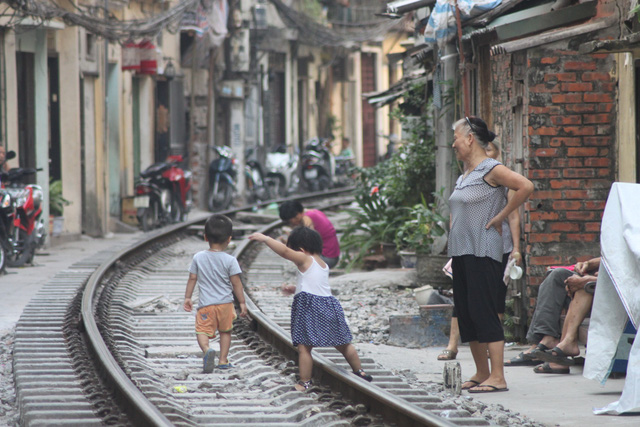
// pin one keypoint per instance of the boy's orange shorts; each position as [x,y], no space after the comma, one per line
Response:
[215,317]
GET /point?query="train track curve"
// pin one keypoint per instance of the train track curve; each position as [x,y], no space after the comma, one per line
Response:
[87,352]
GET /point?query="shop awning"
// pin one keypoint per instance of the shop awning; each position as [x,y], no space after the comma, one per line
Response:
[382,98]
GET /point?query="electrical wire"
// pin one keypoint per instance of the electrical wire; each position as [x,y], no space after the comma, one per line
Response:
[87,17]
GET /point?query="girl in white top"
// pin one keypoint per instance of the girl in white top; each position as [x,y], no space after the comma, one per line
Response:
[317,319]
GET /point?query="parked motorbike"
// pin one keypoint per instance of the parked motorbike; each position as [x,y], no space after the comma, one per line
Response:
[282,172]
[318,165]
[22,228]
[257,188]
[163,194]
[222,177]
[344,170]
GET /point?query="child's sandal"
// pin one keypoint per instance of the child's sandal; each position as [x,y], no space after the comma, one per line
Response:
[303,385]
[362,374]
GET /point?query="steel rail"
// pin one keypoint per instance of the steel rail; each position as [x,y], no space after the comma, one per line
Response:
[142,412]
[138,407]
[391,407]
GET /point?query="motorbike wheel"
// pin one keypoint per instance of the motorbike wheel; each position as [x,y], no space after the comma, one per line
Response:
[323,183]
[221,199]
[25,249]
[149,218]
[176,212]
[189,202]
[280,189]
[3,259]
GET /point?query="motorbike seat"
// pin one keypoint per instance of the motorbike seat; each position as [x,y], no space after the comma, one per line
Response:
[155,169]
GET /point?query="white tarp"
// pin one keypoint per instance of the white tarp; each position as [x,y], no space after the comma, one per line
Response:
[617,296]
[442,25]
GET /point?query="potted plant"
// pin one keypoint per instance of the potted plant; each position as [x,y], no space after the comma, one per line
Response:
[418,237]
[373,224]
[56,207]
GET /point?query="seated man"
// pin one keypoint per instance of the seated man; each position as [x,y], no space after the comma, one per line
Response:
[294,215]
[561,289]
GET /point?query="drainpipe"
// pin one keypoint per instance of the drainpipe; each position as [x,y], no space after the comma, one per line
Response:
[465,75]
[446,170]
[105,118]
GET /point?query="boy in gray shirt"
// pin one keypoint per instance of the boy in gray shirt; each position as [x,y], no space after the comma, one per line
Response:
[217,275]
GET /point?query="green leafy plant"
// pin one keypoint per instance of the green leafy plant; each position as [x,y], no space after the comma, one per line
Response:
[56,201]
[423,225]
[411,170]
[374,221]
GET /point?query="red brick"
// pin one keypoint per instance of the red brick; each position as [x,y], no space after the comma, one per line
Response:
[582,151]
[543,216]
[579,66]
[605,107]
[587,77]
[565,226]
[543,173]
[549,60]
[598,163]
[597,118]
[580,108]
[566,183]
[597,140]
[576,87]
[578,173]
[567,163]
[546,152]
[608,87]
[543,130]
[603,152]
[566,120]
[582,237]
[566,141]
[576,194]
[539,110]
[579,130]
[594,205]
[544,237]
[567,205]
[600,55]
[592,226]
[546,194]
[580,216]
[597,97]
[544,88]
[545,260]
[562,77]
[603,172]
[567,98]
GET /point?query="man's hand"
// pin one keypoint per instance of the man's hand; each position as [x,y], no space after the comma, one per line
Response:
[188,304]
[574,283]
[243,309]
[582,268]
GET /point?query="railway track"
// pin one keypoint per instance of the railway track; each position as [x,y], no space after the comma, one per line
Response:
[107,343]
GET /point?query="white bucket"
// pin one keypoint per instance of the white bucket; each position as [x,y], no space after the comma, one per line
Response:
[422,294]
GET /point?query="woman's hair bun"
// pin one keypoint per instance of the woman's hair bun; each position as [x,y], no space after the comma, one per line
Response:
[490,136]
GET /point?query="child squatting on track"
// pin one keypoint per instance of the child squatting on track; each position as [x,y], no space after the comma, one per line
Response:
[217,275]
[317,319]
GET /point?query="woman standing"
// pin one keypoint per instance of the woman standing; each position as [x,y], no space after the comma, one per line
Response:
[478,210]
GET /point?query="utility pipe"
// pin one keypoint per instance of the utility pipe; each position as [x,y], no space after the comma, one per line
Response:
[465,74]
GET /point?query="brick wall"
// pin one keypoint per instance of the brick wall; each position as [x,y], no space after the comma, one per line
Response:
[568,136]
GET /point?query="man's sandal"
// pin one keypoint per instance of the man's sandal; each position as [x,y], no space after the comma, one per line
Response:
[447,355]
[362,374]
[303,385]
